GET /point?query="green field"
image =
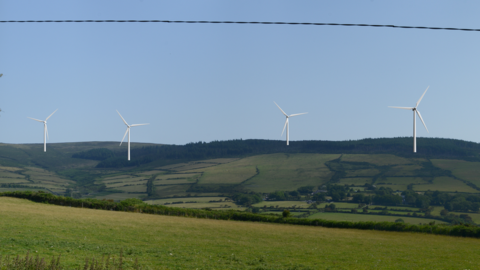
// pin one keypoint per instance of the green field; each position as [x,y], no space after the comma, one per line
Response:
[288,171]
[377,159]
[355,181]
[164,242]
[445,184]
[465,170]
[362,217]
[199,202]
[230,173]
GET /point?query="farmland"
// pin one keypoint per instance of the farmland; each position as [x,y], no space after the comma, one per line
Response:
[161,242]
[192,180]
[378,218]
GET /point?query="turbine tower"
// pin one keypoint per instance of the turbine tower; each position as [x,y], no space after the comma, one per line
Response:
[286,121]
[414,109]
[128,131]
[45,130]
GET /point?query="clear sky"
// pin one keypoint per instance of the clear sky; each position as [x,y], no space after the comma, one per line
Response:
[205,82]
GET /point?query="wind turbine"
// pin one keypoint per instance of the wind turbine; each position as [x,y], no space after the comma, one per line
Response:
[128,131]
[45,130]
[414,109]
[286,121]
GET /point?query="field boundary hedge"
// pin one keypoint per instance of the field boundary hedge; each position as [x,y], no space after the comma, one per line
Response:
[130,206]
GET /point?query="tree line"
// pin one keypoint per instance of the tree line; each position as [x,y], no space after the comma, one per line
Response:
[163,154]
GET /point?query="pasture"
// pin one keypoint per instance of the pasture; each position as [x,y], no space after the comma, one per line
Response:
[363,217]
[446,183]
[289,171]
[166,242]
[465,170]
[377,159]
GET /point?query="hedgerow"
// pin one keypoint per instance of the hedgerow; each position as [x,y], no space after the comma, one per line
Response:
[140,207]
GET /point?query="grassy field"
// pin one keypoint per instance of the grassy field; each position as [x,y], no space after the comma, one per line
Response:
[282,204]
[289,172]
[186,199]
[200,202]
[361,217]
[362,172]
[355,181]
[164,242]
[445,184]
[230,173]
[377,159]
[466,170]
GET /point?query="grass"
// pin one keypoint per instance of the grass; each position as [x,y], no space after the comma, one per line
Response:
[288,171]
[465,170]
[139,188]
[377,159]
[120,196]
[282,204]
[13,181]
[403,170]
[164,242]
[172,190]
[230,173]
[355,181]
[185,199]
[445,183]
[362,172]
[362,217]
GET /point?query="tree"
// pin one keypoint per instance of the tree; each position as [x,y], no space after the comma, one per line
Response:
[286,213]
[319,197]
[399,221]
[358,198]
[305,190]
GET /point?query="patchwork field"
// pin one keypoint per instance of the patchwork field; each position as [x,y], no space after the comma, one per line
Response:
[465,170]
[165,242]
[288,172]
[446,184]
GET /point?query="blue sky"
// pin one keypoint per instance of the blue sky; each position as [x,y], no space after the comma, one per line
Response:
[204,82]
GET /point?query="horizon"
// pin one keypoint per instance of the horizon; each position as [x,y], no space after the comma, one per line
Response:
[117,142]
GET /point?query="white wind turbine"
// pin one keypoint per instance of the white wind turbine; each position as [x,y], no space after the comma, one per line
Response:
[286,121]
[414,109]
[45,130]
[128,131]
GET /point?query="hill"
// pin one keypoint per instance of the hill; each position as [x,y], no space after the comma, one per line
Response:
[219,170]
[167,242]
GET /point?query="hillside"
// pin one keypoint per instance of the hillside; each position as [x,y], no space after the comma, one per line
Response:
[167,242]
[211,169]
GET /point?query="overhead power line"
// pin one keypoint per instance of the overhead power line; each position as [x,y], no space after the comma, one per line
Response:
[244,22]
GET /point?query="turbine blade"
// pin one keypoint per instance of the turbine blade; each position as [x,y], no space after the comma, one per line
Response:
[51,114]
[122,118]
[405,108]
[134,125]
[286,122]
[280,109]
[124,136]
[418,102]
[297,114]
[422,120]
[36,119]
